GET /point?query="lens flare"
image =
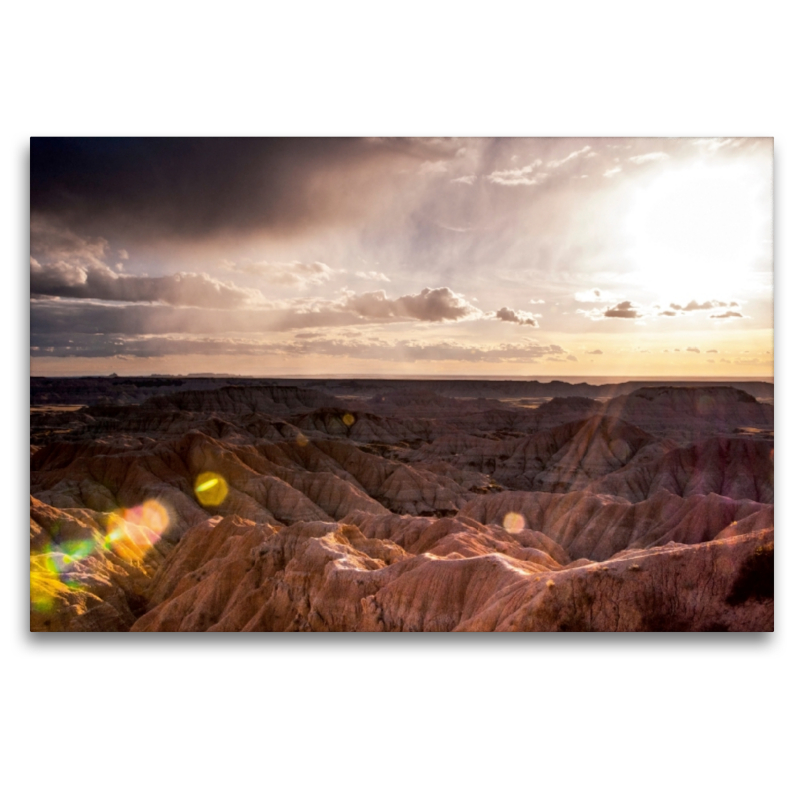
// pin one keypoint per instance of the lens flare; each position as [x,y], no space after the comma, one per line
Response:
[130,533]
[45,586]
[302,440]
[210,488]
[127,540]
[151,515]
[348,419]
[513,522]
[78,550]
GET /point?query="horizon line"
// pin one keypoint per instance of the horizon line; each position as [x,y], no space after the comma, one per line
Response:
[510,378]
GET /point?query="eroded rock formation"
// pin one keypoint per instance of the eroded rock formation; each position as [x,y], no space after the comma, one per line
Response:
[285,508]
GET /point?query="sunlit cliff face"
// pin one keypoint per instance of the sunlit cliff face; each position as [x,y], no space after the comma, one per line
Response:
[412,257]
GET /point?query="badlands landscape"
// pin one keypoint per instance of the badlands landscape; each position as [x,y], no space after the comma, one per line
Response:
[222,504]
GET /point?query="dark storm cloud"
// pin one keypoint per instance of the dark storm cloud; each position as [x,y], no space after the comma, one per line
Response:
[519,317]
[189,188]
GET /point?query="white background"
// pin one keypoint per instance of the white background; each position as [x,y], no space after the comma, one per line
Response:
[647,716]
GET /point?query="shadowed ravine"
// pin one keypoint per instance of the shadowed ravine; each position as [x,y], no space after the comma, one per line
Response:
[266,507]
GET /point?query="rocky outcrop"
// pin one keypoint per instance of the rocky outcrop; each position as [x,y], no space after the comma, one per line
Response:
[238,575]
[594,526]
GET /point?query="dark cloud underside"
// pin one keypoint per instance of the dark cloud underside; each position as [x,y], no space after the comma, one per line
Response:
[82,345]
[190,188]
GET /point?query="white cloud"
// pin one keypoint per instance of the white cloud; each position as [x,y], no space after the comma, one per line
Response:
[430,305]
[66,265]
[101,283]
[466,179]
[613,171]
[648,157]
[373,276]
[290,273]
[707,305]
[717,143]
[532,174]
[584,151]
[529,175]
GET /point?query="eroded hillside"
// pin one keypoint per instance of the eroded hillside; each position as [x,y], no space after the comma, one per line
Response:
[255,507]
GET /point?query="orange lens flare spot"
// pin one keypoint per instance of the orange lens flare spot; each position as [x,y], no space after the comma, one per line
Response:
[302,440]
[513,522]
[348,419]
[155,517]
[210,488]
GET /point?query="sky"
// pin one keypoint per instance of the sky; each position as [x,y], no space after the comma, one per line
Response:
[389,257]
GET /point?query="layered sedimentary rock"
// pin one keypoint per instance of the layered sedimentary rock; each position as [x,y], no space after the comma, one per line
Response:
[237,575]
[282,508]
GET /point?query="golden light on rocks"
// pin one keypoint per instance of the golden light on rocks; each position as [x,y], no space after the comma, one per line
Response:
[61,568]
[210,488]
[513,522]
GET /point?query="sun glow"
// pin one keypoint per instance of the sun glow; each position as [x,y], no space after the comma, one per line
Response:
[702,232]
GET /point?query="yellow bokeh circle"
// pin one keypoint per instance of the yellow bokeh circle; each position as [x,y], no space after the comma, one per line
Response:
[210,488]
